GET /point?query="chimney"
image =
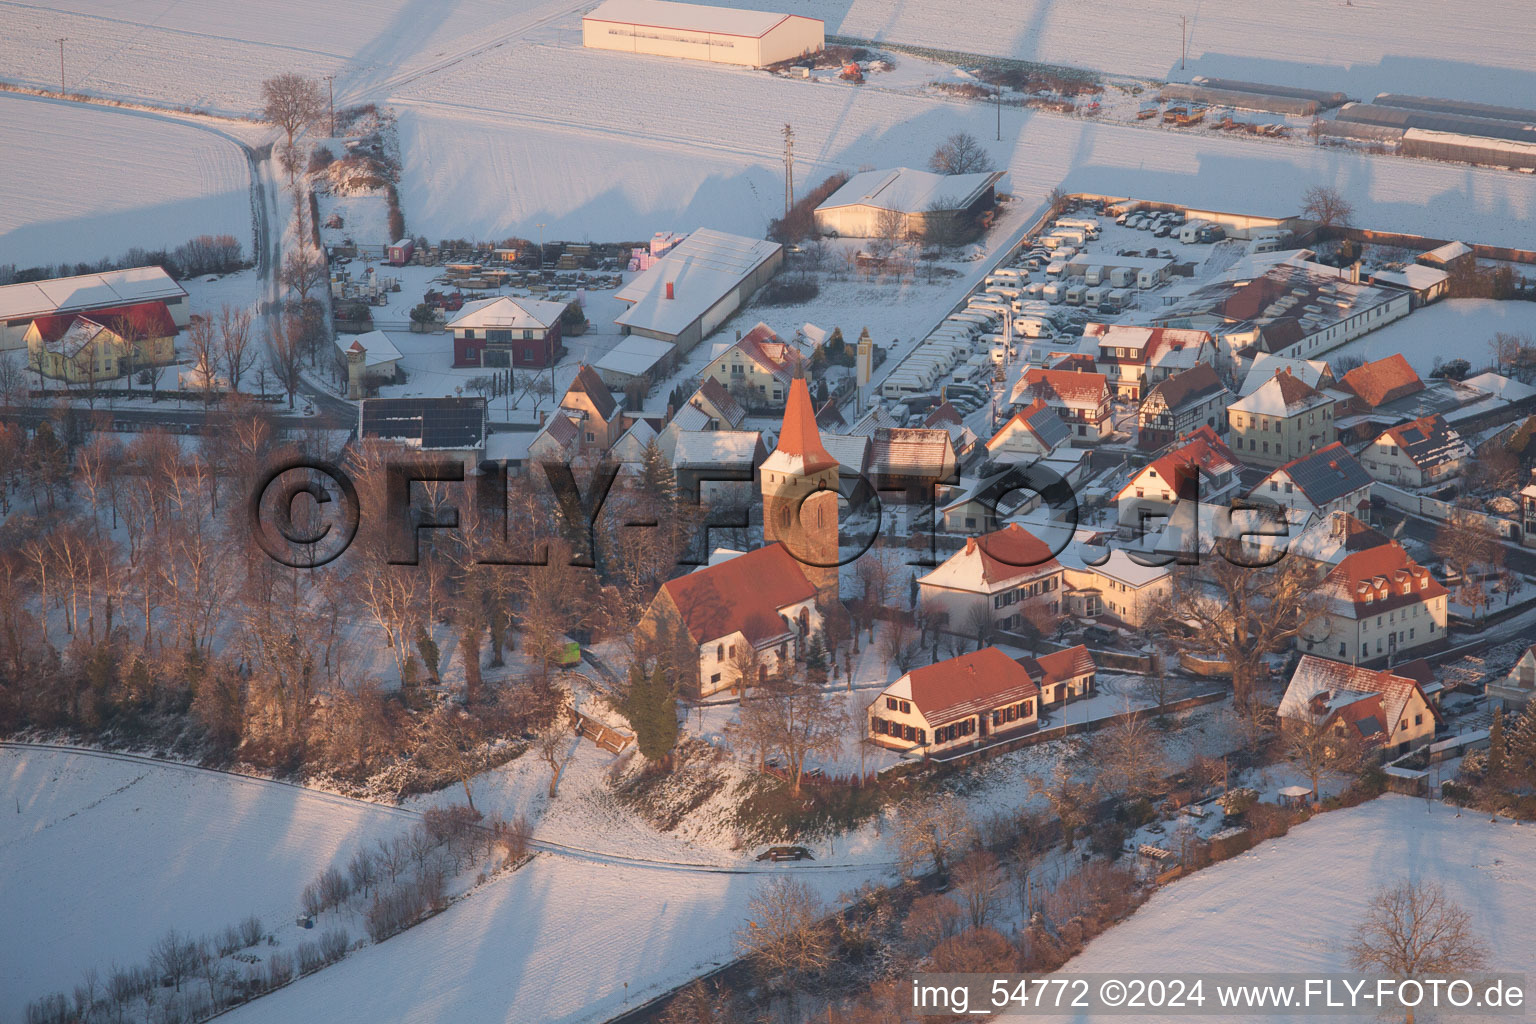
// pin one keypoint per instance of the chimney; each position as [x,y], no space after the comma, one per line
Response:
[669,289]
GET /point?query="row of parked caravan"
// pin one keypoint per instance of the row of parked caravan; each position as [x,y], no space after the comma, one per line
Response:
[955,353]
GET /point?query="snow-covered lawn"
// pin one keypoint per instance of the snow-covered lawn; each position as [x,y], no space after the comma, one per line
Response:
[1291,903]
[83,183]
[1449,329]
[100,857]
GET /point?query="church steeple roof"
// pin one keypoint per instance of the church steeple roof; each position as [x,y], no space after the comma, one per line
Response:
[800,450]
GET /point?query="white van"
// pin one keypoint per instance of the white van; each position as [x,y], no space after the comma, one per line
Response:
[1088,225]
[1265,243]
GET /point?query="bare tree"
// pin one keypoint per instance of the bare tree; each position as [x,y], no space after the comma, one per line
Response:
[286,347]
[176,956]
[1470,546]
[1327,206]
[1132,758]
[932,833]
[784,930]
[291,102]
[1411,930]
[960,154]
[449,741]
[793,719]
[552,745]
[303,272]
[236,353]
[978,885]
[1318,750]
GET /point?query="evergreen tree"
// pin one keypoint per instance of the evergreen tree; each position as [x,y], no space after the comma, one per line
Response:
[656,477]
[1520,746]
[430,656]
[816,660]
[652,710]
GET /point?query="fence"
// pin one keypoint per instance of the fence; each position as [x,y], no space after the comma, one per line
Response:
[601,735]
[1057,732]
[1434,508]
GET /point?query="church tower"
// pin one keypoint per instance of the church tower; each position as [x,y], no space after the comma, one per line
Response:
[799,482]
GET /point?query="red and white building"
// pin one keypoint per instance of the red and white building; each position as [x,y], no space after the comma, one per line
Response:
[1377,709]
[989,583]
[953,705]
[1126,352]
[1179,405]
[1033,432]
[1202,469]
[1319,483]
[1379,605]
[1080,398]
[1424,453]
[507,332]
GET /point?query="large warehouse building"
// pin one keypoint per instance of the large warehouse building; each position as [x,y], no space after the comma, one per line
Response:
[701,280]
[720,34]
[855,210]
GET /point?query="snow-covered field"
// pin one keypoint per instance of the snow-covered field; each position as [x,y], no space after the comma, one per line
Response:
[1449,329]
[1291,903]
[82,183]
[1368,46]
[104,856]
[597,152]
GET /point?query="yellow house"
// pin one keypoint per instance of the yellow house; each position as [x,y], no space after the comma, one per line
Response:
[756,370]
[85,348]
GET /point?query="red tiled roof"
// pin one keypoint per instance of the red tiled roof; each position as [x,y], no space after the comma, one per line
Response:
[1202,448]
[943,413]
[1067,664]
[911,451]
[742,593]
[716,394]
[146,319]
[1382,381]
[798,435]
[1023,418]
[1352,693]
[1380,579]
[1067,386]
[1010,553]
[947,691]
[1076,362]
[764,348]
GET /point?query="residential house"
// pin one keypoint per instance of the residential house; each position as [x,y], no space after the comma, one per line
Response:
[1424,453]
[906,464]
[956,704]
[1449,256]
[757,368]
[1378,604]
[1201,469]
[1315,373]
[1319,483]
[719,466]
[1081,399]
[1330,540]
[1063,676]
[25,302]
[1379,382]
[507,332]
[1378,710]
[1177,405]
[629,450]
[103,344]
[994,582]
[720,410]
[1515,690]
[1127,351]
[962,439]
[557,441]
[1107,583]
[1283,419]
[749,613]
[1032,433]
[595,411]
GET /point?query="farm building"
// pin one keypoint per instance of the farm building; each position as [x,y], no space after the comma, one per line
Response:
[635,357]
[1468,149]
[701,280]
[87,348]
[1241,99]
[366,362]
[698,32]
[919,197]
[507,332]
[452,426]
[1423,284]
[20,304]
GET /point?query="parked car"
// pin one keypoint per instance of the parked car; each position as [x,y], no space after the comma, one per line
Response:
[1098,636]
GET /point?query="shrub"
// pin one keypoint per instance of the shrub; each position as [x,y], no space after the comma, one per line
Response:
[334,888]
[783,291]
[448,823]
[309,957]
[250,931]
[333,945]
[320,158]
[279,970]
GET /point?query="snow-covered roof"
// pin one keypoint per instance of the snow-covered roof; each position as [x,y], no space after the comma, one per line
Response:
[88,291]
[702,269]
[1415,276]
[509,446]
[662,14]
[1267,364]
[1450,250]
[379,348]
[906,190]
[1282,395]
[634,355]
[504,312]
[1501,387]
[713,447]
[1118,566]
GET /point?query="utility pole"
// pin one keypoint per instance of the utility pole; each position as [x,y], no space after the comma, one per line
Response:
[1183,39]
[61,41]
[330,80]
[999,112]
[789,169]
